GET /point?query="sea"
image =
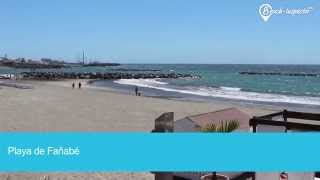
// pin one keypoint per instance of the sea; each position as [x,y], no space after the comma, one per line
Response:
[219,82]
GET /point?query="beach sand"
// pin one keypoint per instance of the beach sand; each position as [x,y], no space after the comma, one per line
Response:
[55,106]
[77,176]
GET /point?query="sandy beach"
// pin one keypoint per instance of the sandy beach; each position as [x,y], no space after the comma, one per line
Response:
[55,106]
[77,176]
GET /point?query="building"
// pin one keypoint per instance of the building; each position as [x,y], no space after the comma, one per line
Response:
[196,122]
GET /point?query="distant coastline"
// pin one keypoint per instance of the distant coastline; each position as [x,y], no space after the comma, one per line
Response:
[282,86]
[47,63]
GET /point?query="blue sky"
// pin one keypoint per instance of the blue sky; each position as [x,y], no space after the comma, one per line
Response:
[163,31]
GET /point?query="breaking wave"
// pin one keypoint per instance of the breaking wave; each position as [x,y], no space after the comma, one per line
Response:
[221,92]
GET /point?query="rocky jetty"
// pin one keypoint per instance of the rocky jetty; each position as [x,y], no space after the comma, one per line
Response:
[115,75]
[280,74]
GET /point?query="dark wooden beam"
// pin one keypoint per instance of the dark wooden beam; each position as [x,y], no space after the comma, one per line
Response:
[289,125]
[300,115]
[270,116]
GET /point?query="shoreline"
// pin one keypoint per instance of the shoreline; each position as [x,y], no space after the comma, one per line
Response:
[90,84]
[185,97]
[55,106]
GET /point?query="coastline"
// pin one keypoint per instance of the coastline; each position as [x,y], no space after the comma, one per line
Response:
[55,106]
[164,93]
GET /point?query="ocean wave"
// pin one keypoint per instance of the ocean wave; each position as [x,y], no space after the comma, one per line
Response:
[141,82]
[7,75]
[222,92]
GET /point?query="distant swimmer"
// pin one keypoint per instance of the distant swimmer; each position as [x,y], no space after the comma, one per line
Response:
[79,85]
[136,90]
[73,85]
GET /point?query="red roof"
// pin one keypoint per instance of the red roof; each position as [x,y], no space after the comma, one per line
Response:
[224,115]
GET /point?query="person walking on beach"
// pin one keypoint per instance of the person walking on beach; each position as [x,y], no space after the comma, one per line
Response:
[79,85]
[73,85]
[136,90]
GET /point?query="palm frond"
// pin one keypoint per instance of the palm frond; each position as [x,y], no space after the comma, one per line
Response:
[209,128]
[227,126]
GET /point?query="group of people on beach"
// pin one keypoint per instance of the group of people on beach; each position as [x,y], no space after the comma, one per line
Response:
[79,85]
[135,89]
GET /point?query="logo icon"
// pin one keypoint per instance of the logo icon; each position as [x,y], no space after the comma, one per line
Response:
[265,11]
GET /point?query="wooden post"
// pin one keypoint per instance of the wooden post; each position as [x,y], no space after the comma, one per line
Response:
[253,123]
[163,176]
[285,119]
[164,123]
[214,176]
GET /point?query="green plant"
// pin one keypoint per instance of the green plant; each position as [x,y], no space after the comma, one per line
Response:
[227,126]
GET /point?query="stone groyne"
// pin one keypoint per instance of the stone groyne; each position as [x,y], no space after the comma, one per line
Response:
[109,75]
[280,74]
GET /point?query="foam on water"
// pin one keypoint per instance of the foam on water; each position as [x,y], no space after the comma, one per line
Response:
[150,83]
[230,88]
[222,92]
[7,75]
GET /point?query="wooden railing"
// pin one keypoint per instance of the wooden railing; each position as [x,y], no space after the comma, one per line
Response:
[307,117]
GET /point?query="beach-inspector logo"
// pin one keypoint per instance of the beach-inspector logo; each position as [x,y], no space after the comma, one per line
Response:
[266,11]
